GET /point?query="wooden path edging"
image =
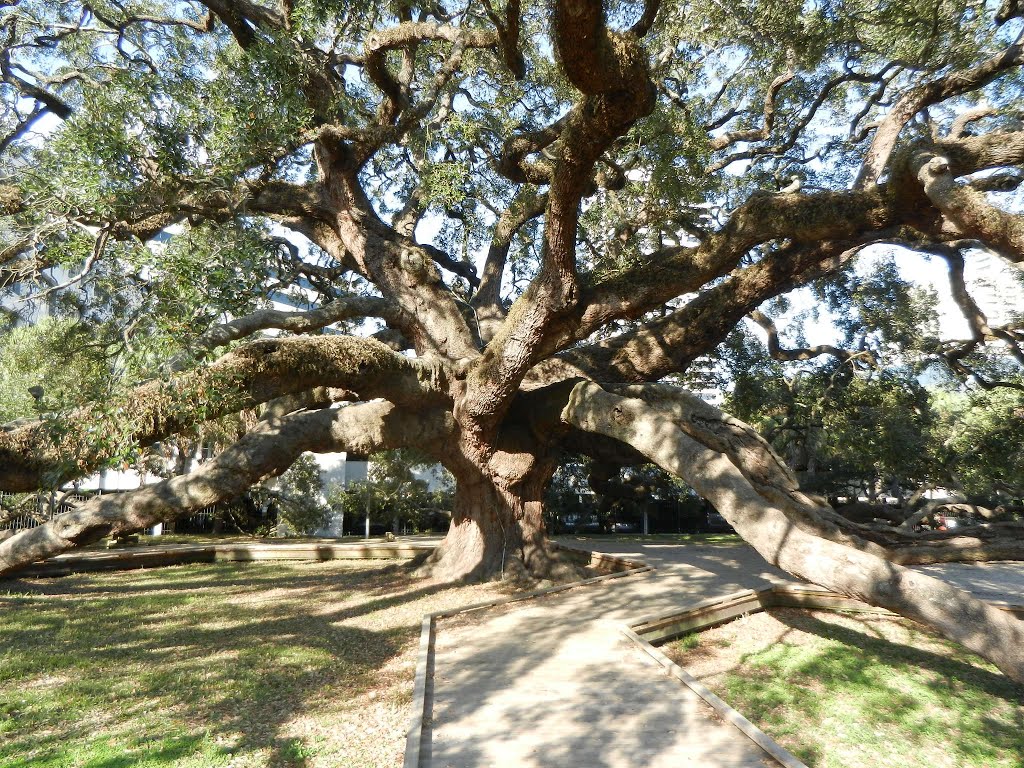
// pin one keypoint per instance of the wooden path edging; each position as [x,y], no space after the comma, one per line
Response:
[718,610]
[727,713]
[420,699]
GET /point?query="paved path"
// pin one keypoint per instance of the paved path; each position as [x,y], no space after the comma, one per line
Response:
[553,682]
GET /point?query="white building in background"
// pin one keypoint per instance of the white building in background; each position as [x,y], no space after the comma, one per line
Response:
[348,469]
[116,480]
[995,286]
[342,468]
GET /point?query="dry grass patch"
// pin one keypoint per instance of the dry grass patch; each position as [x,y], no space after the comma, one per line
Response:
[860,690]
[233,664]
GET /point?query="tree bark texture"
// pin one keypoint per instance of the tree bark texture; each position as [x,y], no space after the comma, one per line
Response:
[496,532]
[497,528]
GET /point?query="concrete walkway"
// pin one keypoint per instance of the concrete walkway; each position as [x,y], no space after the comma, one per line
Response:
[554,682]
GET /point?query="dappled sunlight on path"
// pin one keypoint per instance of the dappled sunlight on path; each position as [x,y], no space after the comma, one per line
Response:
[554,682]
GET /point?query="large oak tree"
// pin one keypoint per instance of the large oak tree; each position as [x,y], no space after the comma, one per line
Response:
[632,178]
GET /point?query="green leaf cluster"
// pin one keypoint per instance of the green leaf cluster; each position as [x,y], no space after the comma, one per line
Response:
[51,355]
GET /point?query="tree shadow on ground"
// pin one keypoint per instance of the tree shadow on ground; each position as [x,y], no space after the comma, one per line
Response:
[957,664]
[214,655]
[943,693]
[215,575]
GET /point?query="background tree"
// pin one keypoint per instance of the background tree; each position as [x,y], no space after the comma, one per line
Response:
[297,496]
[981,451]
[552,204]
[393,495]
[48,367]
[568,503]
[845,433]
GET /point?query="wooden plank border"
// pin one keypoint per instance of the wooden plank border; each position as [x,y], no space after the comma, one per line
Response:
[727,713]
[702,615]
[421,707]
[658,629]
[646,631]
[180,554]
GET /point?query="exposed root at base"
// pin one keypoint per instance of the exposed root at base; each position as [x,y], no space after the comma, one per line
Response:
[545,566]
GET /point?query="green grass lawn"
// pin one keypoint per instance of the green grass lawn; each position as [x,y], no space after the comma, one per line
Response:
[859,692]
[234,664]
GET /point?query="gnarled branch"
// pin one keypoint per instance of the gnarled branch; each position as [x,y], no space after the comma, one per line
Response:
[526,206]
[913,101]
[776,350]
[339,310]
[968,209]
[36,455]
[269,449]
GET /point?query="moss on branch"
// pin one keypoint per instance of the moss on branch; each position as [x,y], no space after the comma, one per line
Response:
[51,451]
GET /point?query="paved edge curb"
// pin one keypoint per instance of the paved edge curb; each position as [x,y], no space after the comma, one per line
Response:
[425,659]
[414,736]
[755,734]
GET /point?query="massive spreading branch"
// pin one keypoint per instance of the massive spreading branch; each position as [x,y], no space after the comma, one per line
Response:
[754,490]
[46,453]
[268,449]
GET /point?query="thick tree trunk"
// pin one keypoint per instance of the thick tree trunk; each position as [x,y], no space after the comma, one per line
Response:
[497,532]
[774,519]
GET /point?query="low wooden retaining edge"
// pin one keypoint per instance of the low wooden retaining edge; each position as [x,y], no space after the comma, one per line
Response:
[599,560]
[701,615]
[304,551]
[424,677]
[811,596]
[755,734]
[706,613]
[423,681]
[162,555]
[717,610]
